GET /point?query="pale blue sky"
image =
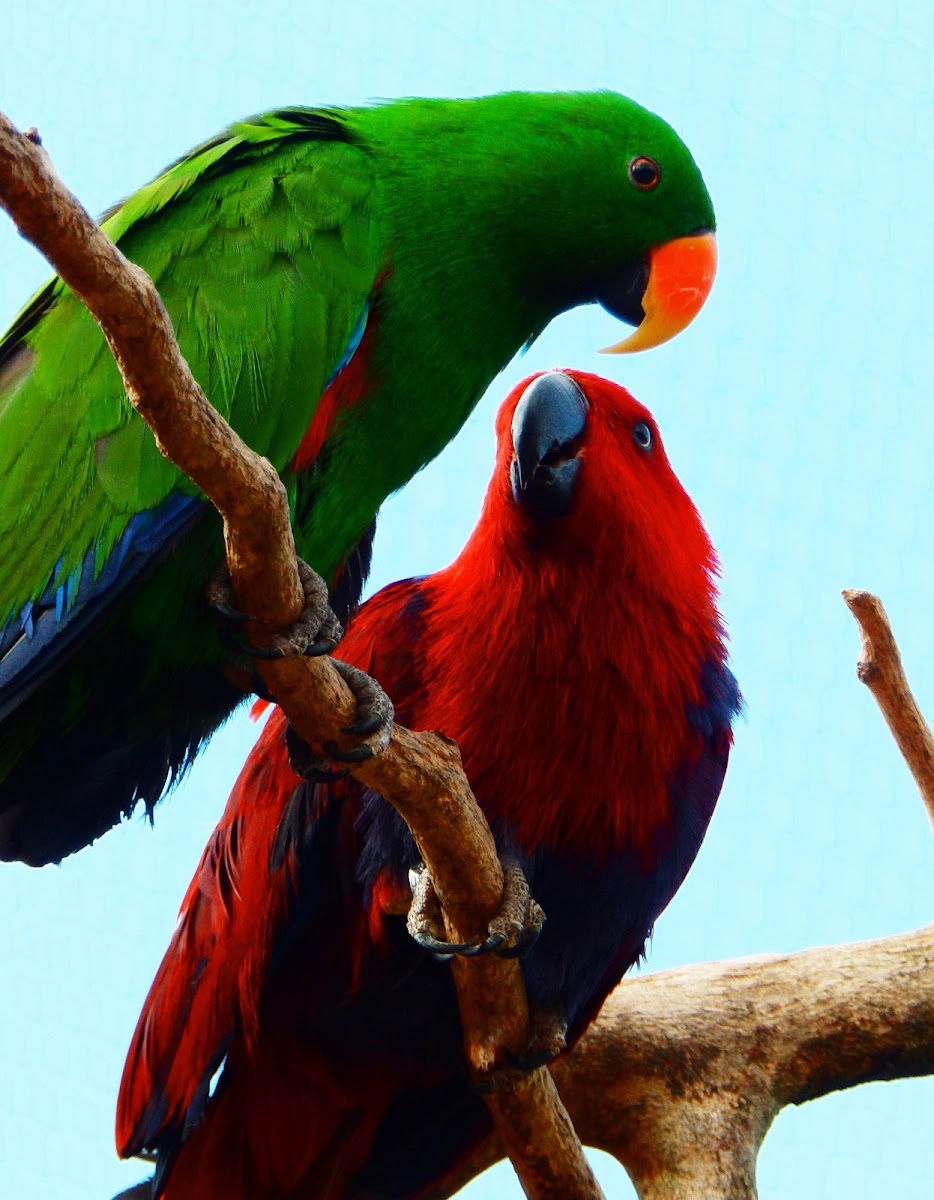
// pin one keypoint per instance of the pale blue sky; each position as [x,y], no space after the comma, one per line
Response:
[796,410]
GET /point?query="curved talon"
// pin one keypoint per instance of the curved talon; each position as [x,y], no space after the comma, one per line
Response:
[525,937]
[492,945]
[511,934]
[237,645]
[306,764]
[325,645]
[374,720]
[547,1041]
[229,613]
[317,630]
[530,1060]
[257,685]
[516,951]
[358,754]
[443,950]
[364,726]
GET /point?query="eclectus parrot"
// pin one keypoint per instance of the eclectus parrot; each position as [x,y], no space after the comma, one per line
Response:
[345,283]
[575,652]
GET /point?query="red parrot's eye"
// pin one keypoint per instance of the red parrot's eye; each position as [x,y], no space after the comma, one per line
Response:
[644,173]
[642,435]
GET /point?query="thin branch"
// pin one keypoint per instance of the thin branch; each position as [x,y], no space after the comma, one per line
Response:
[880,668]
[420,774]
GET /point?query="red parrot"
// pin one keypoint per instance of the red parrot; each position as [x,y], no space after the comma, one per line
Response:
[575,652]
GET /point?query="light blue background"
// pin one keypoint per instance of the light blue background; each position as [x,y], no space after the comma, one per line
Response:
[796,410]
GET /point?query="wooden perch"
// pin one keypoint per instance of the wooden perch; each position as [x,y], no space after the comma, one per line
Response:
[683,1072]
[419,774]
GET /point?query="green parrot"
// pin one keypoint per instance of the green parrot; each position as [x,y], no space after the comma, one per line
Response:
[345,283]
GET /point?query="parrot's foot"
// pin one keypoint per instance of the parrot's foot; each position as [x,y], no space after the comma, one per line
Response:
[547,1039]
[317,631]
[374,717]
[308,765]
[373,728]
[511,934]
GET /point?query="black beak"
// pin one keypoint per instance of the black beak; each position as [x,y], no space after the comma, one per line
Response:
[622,296]
[547,430]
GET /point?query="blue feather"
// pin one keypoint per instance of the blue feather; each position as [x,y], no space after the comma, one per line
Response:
[33,641]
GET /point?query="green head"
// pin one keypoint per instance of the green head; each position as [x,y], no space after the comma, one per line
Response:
[560,198]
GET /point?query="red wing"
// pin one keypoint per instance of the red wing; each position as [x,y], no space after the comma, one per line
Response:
[209,984]
[209,981]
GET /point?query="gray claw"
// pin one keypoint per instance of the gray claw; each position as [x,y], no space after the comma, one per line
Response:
[228,612]
[548,1039]
[322,646]
[424,919]
[306,764]
[364,726]
[443,950]
[492,944]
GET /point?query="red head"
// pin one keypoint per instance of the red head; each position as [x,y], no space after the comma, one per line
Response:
[582,477]
[594,577]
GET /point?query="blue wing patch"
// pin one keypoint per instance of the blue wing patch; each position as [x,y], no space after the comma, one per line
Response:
[33,640]
[353,343]
[721,700]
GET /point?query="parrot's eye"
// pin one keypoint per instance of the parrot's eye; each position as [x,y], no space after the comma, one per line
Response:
[642,435]
[644,173]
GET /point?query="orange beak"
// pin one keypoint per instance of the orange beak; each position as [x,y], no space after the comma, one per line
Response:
[681,274]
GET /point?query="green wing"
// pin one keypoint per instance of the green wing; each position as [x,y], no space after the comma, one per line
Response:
[264,248]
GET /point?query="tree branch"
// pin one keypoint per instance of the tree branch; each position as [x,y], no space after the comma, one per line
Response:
[683,1072]
[880,668]
[419,774]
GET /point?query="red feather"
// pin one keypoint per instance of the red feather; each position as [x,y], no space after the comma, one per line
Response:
[212,974]
[616,617]
[349,386]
